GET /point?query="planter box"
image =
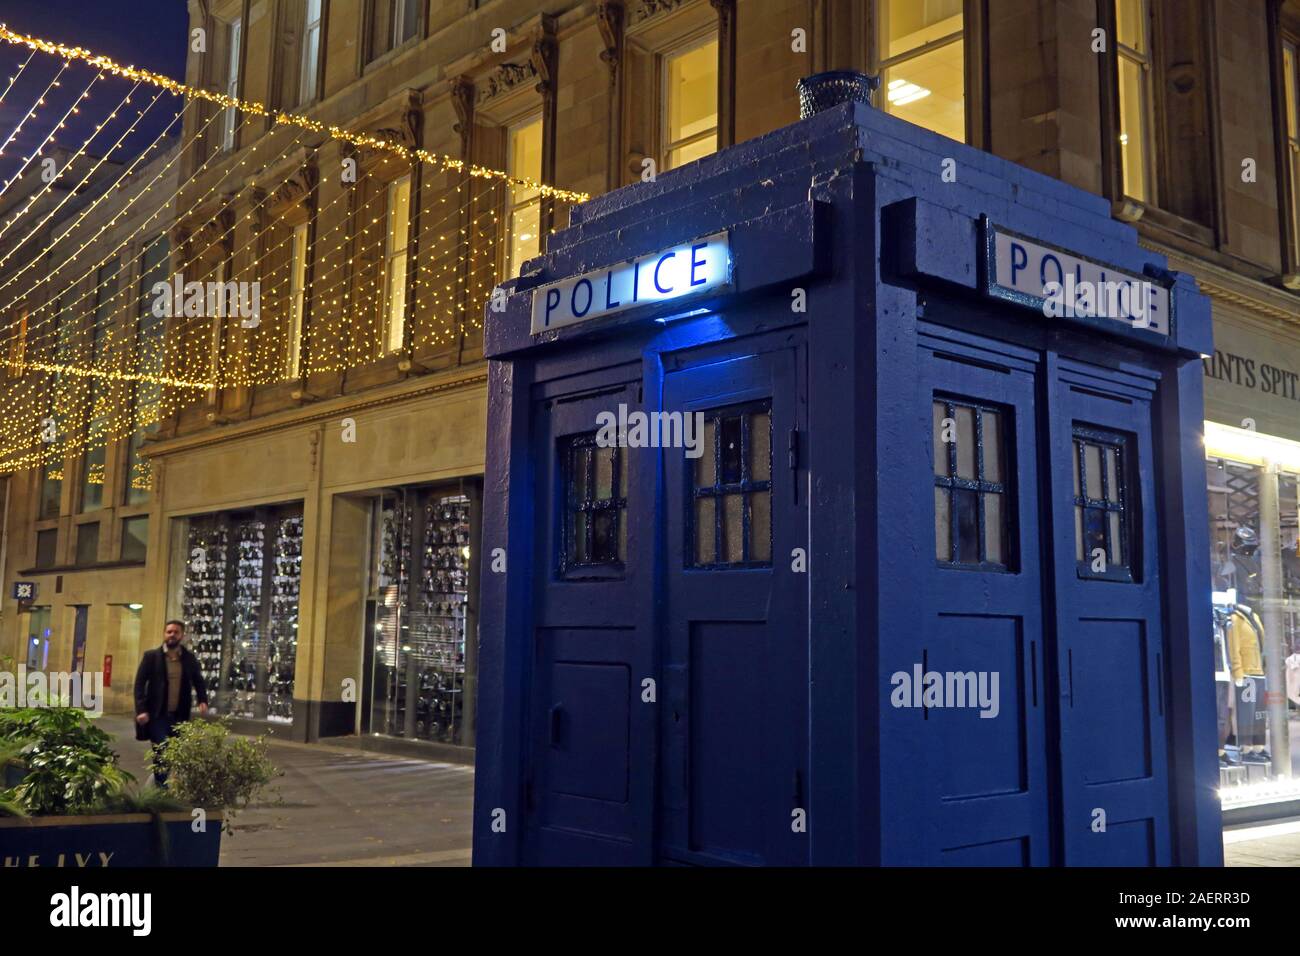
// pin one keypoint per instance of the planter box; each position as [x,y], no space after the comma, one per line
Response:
[131,839]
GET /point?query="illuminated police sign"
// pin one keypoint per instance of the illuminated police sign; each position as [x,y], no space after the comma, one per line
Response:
[1065,285]
[689,269]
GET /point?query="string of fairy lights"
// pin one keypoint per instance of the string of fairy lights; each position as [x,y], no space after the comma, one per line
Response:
[91,361]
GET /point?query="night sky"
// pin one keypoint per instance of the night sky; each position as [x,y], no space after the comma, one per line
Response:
[145,33]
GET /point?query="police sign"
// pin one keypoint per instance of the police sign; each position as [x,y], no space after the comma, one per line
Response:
[684,271]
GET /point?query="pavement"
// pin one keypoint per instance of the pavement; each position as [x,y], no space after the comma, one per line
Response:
[339,806]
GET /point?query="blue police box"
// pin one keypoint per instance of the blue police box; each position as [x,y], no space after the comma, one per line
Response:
[845,504]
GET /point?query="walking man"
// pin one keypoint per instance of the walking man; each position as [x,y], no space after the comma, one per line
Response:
[163,684]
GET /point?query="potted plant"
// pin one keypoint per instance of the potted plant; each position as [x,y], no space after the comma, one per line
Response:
[69,804]
[210,768]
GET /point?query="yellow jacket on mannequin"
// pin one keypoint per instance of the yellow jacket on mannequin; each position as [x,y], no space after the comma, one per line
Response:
[1245,656]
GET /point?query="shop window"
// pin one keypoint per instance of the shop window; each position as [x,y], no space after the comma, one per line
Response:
[730,521]
[690,103]
[1103,546]
[309,64]
[397,235]
[595,505]
[1133,49]
[392,23]
[233,36]
[922,63]
[46,548]
[297,300]
[524,215]
[972,502]
[135,538]
[87,544]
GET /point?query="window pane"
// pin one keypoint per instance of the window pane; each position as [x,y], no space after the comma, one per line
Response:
[1289,72]
[704,465]
[705,514]
[1117,556]
[760,526]
[525,236]
[1130,23]
[1132,129]
[942,525]
[410,19]
[578,546]
[760,446]
[88,543]
[604,542]
[604,472]
[1078,451]
[992,446]
[1078,528]
[51,489]
[938,412]
[697,149]
[732,527]
[993,530]
[135,539]
[1092,470]
[92,480]
[691,104]
[1094,533]
[730,470]
[1112,475]
[46,547]
[965,416]
[929,90]
[907,24]
[966,503]
[396,319]
[581,458]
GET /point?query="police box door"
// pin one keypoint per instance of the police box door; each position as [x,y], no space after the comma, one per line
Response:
[588,785]
[735,642]
[1109,627]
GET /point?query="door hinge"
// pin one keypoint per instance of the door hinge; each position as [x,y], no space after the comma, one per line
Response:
[794,462]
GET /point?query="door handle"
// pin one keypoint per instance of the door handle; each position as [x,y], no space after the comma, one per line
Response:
[557,712]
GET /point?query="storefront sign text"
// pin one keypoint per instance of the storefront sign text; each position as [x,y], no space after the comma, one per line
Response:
[1264,377]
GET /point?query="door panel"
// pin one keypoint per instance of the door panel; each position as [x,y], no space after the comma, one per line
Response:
[735,645]
[1114,773]
[981,755]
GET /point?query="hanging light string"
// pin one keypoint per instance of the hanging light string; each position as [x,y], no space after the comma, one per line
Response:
[63,120]
[14,79]
[140,114]
[31,110]
[359,140]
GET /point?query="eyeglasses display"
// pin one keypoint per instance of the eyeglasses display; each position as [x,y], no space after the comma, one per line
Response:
[422,579]
[241,600]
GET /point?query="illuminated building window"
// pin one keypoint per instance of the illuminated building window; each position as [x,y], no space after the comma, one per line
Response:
[233,38]
[309,67]
[397,235]
[297,300]
[51,489]
[730,516]
[595,504]
[524,215]
[392,23]
[1102,524]
[690,103]
[971,507]
[1133,51]
[922,64]
[1292,94]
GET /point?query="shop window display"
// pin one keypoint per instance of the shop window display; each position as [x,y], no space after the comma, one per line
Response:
[417,683]
[240,600]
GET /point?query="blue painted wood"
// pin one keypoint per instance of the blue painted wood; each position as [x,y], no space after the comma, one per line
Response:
[768,683]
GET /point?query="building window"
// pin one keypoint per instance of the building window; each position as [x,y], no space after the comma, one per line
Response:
[146,398]
[135,538]
[595,502]
[51,489]
[309,68]
[397,235]
[729,523]
[214,346]
[392,23]
[1292,94]
[1133,50]
[297,300]
[87,544]
[46,548]
[234,37]
[690,100]
[99,410]
[1102,524]
[922,63]
[972,510]
[18,347]
[524,216]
